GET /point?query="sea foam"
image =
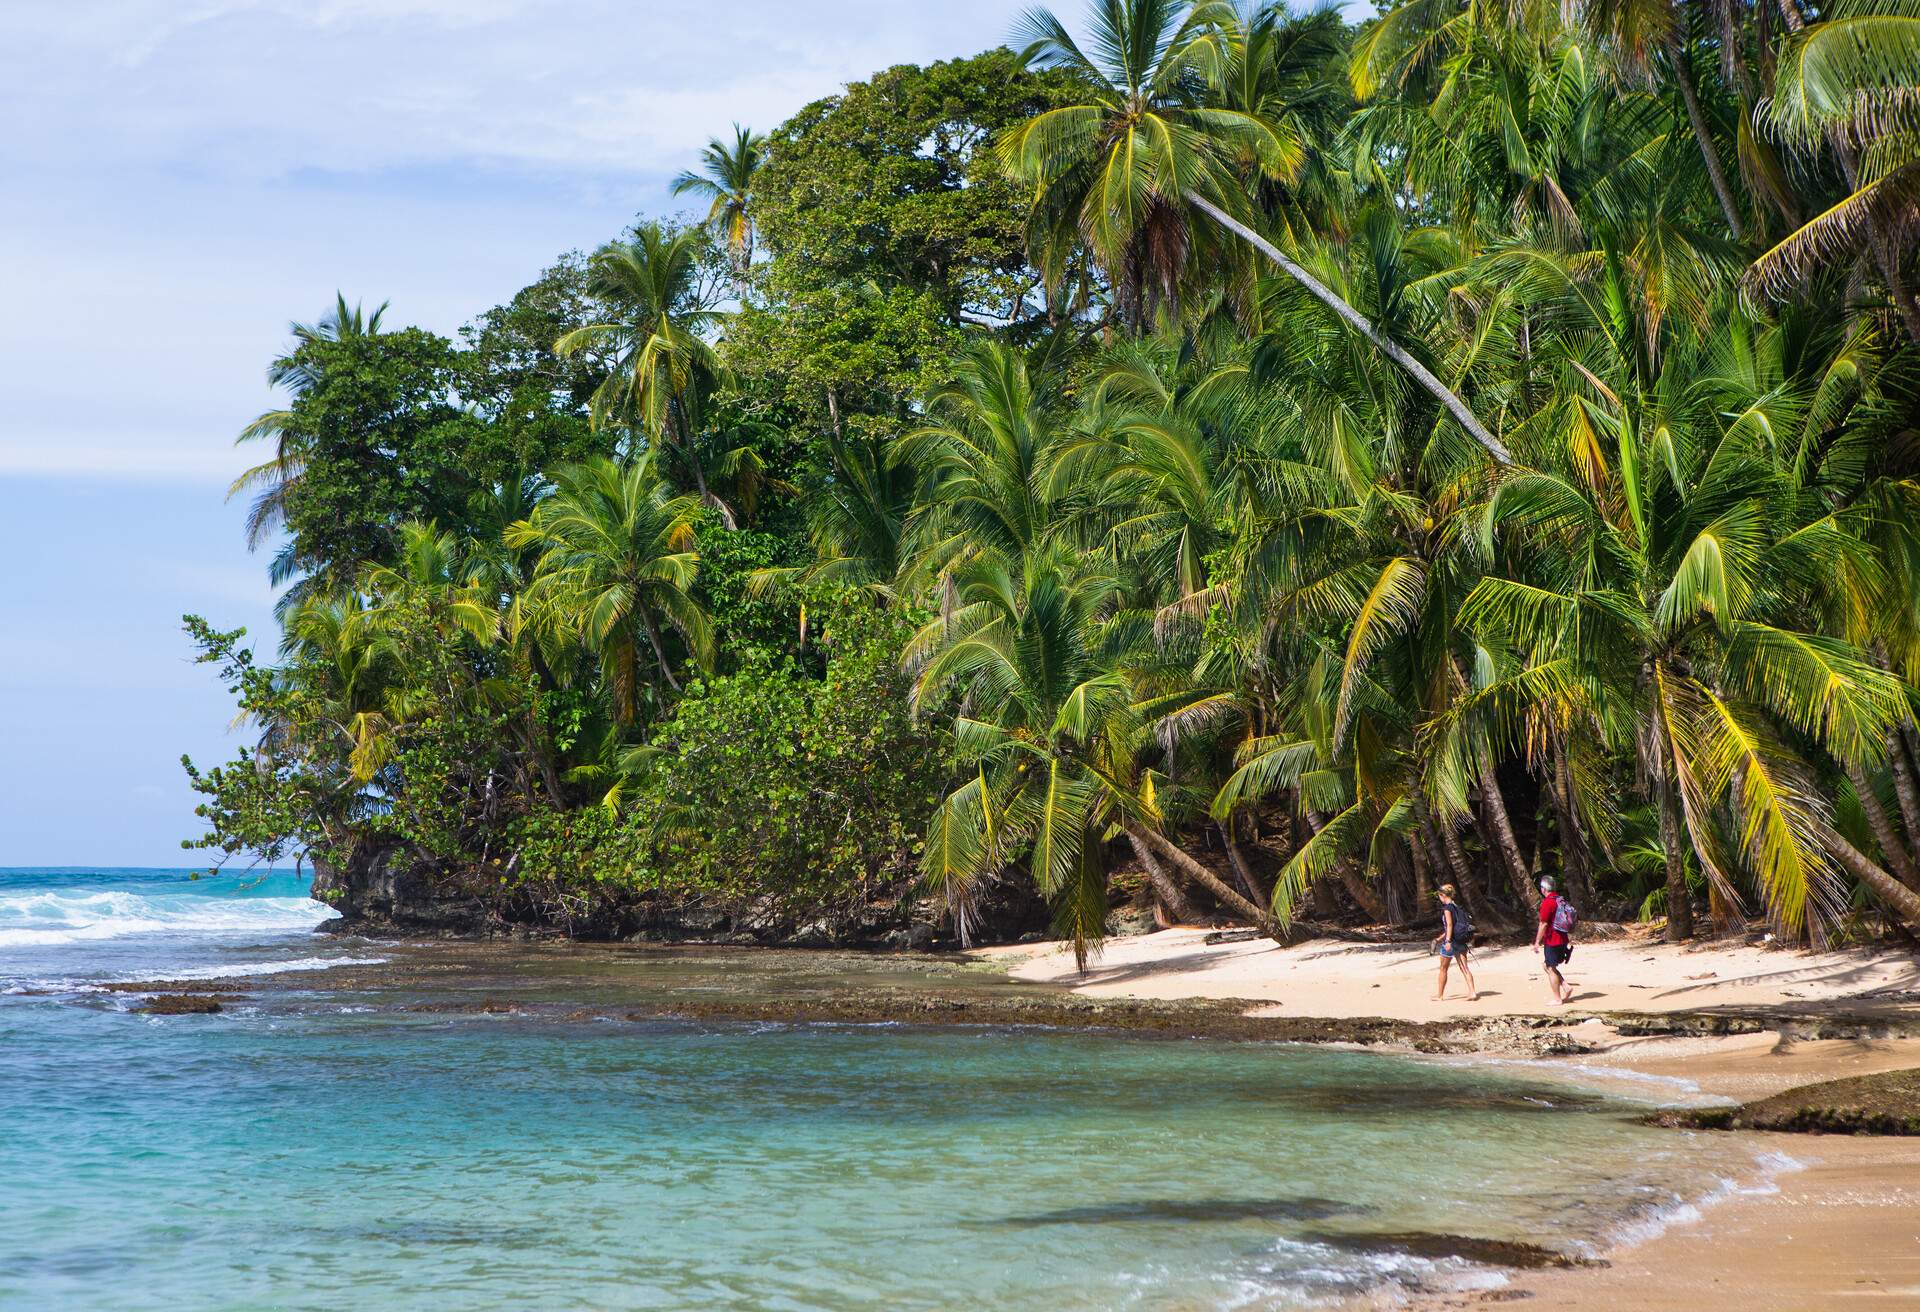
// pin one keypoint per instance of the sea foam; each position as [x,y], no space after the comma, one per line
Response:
[70,916]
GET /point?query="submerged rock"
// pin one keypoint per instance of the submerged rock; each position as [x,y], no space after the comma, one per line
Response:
[181,1004]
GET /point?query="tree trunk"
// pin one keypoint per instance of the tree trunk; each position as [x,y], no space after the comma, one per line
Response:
[1422,877]
[1193,870]
[1360,324]
[1574,860]
[1249,882]
[685,441]
[1901,900]
[1689,94]
[1363,894]
[1905,790]
[1478,904]
[1501,827]
[1679,904]
[660,651]
[1169,901]
[1895,851]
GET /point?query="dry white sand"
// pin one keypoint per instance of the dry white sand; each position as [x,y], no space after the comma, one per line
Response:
[1326,977]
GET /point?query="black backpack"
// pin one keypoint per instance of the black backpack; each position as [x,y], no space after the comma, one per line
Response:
[1462,923]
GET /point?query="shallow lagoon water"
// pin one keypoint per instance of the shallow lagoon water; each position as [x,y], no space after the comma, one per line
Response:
[318,1150]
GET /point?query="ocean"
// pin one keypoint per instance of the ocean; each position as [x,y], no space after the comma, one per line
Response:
[323,1147]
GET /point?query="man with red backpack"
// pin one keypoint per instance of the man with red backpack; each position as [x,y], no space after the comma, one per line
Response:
[1555,938]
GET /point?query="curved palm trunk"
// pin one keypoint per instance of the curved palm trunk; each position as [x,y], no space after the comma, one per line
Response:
[1169,901]
[660,651]
[1192,869]
[1679,901]
[1697,119]
[1249,882]
[1881,823]
[1464,879]
[1370,902]
[1501,825]
[1360,324]
[1901,900]
[1906,790]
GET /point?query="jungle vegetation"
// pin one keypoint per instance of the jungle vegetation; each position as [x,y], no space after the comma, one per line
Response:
[1221,457]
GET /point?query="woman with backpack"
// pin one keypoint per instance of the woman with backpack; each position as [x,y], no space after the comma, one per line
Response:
[1455,942]
[1555,938]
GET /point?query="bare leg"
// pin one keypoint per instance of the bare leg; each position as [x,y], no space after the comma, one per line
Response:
[1440,989]
[1557,985]
[1466,972]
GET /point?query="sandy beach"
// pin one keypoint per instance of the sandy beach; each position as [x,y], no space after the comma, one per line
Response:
[1333,978]
[1833,1222]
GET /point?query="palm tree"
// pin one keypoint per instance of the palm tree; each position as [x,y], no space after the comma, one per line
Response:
[273,481]
[616,569]
[726,180]
[1049,729]
[1847,82]
[1674,579]
[1638,31]
[1122,165]
[660,364]
[984,462]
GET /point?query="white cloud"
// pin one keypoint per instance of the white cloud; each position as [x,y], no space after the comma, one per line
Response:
[264,87]
[185,176]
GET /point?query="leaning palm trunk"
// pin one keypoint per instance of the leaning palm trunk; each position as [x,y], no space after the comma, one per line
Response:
[1697,120]
[1193,870]
[1360,324]
[1906,790]
[1881,824]
[1168,899]
[1249,882]
[1370,903]
[1901,900]
[1500,827]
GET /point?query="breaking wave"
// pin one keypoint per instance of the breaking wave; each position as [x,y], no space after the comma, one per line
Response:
[52,916]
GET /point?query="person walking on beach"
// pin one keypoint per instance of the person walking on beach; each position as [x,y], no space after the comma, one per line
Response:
[1555,939]
[1455,943]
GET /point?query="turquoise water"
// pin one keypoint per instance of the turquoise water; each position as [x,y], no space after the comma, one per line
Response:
[325,1150]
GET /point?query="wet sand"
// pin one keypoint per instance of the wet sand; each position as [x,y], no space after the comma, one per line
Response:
[1843,1231]
[1833,1224]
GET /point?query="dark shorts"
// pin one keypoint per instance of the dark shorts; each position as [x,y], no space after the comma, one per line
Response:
[1557,954]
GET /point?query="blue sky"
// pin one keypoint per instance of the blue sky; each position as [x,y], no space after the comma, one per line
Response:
[185,176]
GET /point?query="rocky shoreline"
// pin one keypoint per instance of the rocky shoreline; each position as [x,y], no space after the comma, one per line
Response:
[942,990]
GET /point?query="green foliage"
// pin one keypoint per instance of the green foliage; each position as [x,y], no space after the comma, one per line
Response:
[1360,443]
[811,792]
[890,229]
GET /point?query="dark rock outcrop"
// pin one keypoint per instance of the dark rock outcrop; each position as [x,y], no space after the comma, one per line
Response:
[1888,1103]
[385,891]
[180,1004]
[381,890]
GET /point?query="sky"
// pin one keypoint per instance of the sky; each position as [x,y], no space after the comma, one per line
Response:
[181,179]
